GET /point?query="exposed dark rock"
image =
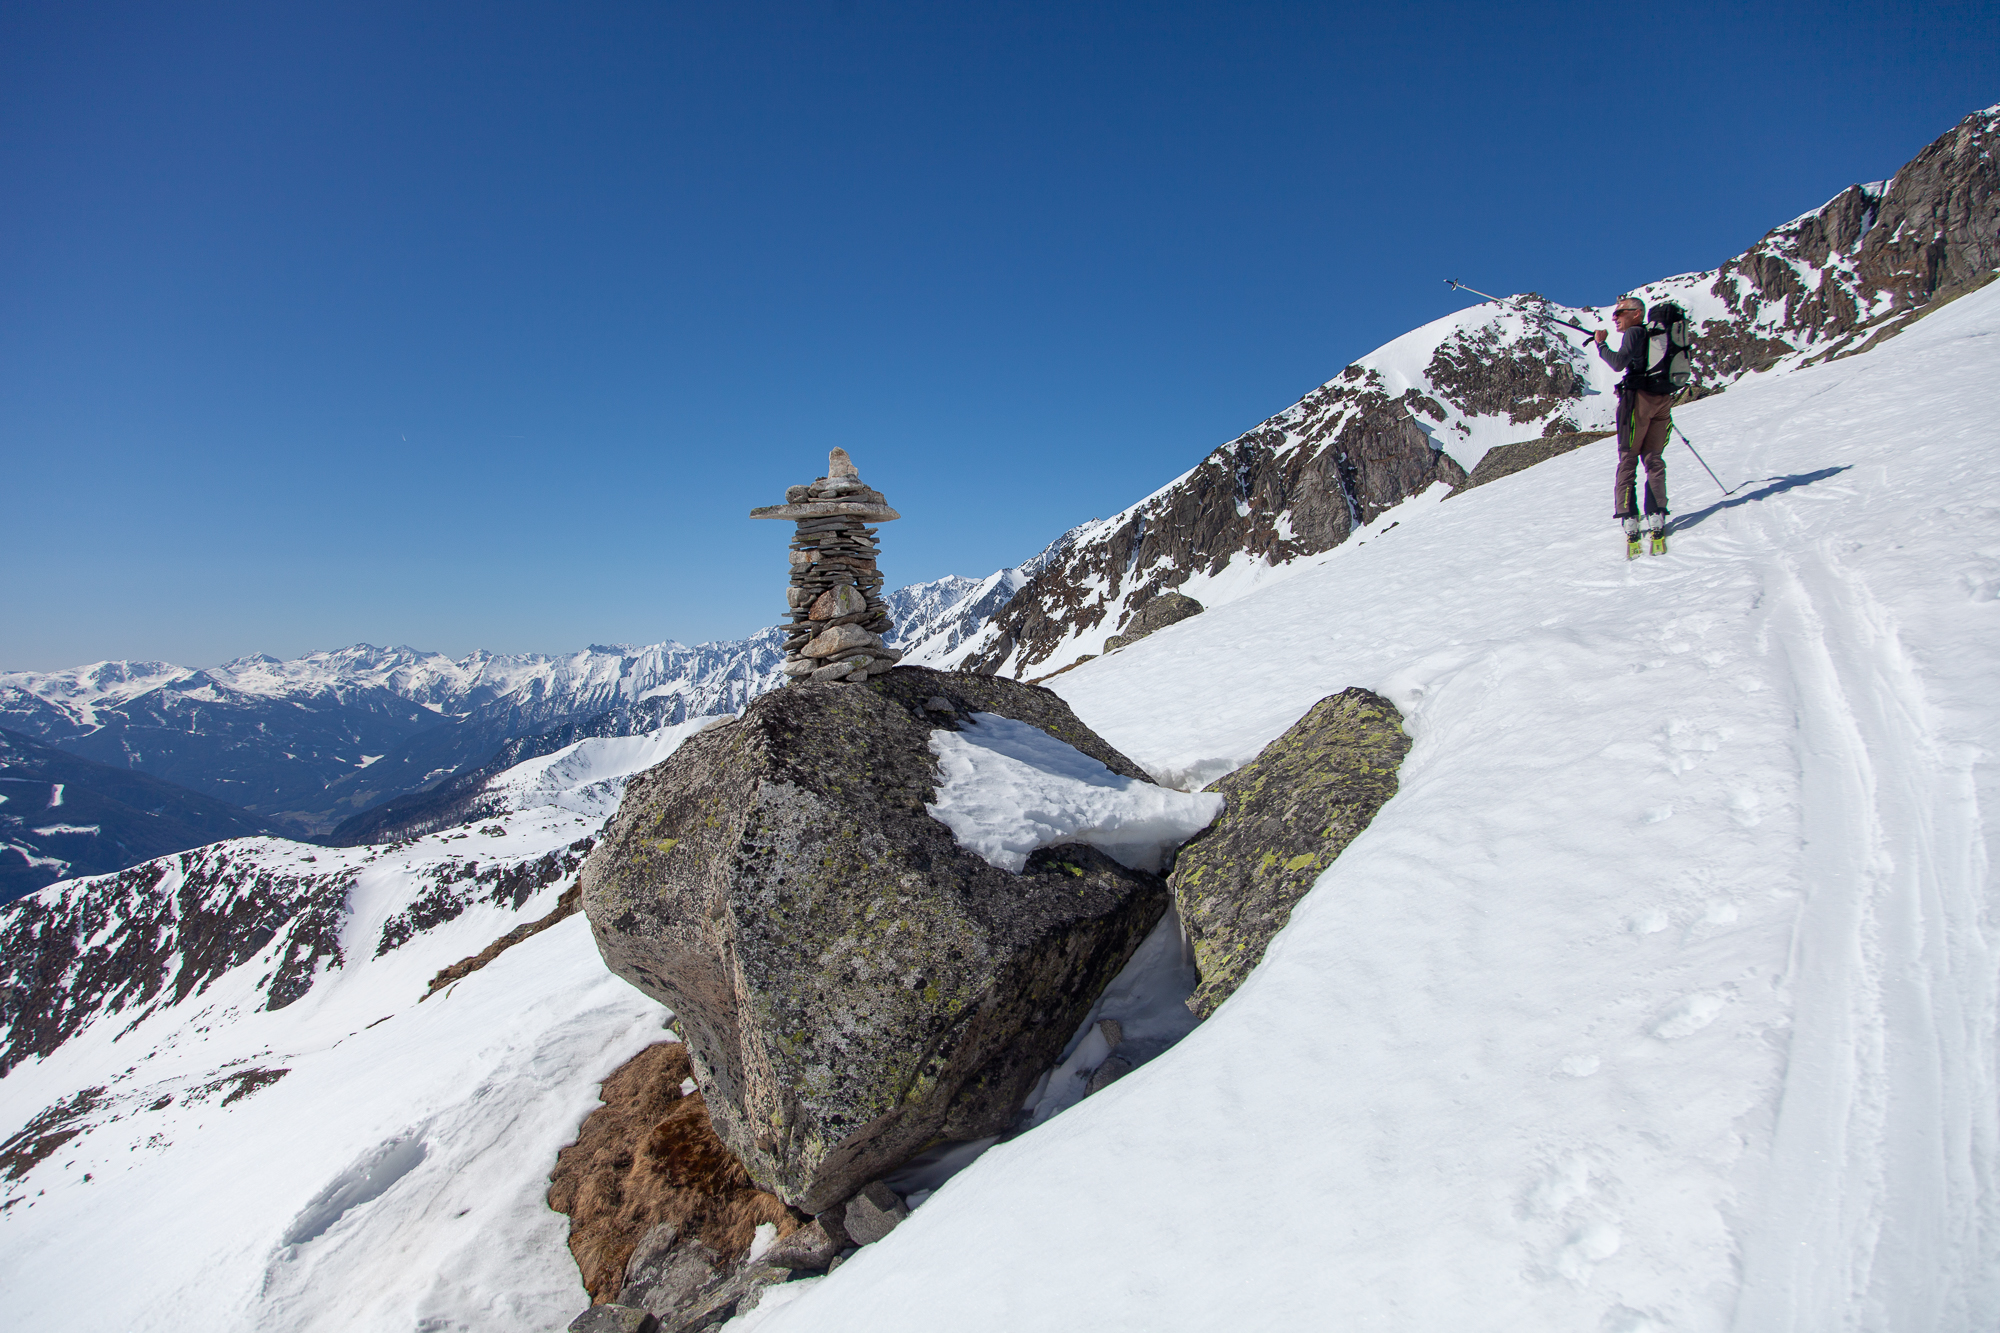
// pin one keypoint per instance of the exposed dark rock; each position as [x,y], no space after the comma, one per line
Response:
[614,1319]
[1166,609]
[873,1213]
[1506,459]
[455,885]
[647,1163]
[1290,812]
[47,1131]
[1296,485]
[1113,1069]
[809,1249]
[567,905]
[853,984]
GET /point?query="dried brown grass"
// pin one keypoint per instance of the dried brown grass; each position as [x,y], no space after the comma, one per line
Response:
[647,1156]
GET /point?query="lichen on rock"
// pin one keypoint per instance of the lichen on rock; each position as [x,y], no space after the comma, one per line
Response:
[854,985]
[1290,812]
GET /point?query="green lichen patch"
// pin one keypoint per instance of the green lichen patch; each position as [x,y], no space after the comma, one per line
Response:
[1289,813]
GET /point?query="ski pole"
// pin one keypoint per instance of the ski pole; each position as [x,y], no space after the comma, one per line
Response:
[1699,459]
[1454,282]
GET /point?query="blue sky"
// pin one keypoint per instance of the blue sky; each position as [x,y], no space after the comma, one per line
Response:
[473,326]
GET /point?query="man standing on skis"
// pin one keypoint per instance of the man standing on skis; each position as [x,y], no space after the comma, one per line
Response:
[1643,421]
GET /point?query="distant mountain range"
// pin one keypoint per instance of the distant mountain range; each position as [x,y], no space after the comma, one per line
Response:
[62,816]
[306,746]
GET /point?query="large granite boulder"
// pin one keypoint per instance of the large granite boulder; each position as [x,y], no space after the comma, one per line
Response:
[1289,813]
[854,986]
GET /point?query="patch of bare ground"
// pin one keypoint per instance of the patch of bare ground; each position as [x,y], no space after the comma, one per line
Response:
[647,1156]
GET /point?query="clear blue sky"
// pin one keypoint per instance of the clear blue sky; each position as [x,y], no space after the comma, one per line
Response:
[484,325]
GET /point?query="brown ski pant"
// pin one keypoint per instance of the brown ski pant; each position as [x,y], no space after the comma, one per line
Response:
[1643,419]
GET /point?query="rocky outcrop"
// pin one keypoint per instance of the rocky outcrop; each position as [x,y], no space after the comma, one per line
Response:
[1167,609]
[853,985]
[1290,812]
[661,1213]
[1298,484]
[568,904]
[1508,459]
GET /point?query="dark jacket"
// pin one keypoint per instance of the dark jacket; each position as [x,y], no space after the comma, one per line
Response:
[1630,356]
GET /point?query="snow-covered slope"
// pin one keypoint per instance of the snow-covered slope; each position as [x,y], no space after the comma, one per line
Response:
[1664,994]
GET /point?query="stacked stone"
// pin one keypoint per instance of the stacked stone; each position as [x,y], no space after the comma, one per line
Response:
[837,615]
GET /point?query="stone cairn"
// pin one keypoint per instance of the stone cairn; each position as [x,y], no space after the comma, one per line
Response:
[838,616]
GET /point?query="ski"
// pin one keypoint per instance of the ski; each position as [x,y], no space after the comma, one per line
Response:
[1632,546]
[1659,541]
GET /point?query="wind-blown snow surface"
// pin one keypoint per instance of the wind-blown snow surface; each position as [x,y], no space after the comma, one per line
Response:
[1662,996]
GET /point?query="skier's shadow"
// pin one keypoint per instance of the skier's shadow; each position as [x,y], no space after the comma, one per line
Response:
[1775,486]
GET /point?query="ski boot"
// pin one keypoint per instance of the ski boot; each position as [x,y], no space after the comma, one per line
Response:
[1656,526]
[1631,526]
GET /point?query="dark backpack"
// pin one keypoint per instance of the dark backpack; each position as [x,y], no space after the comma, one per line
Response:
[1666,369]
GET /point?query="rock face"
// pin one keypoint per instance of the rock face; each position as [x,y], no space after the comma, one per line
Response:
[1508,459]
[1167,609]
[1290,812]
[854,985]
[1298,484]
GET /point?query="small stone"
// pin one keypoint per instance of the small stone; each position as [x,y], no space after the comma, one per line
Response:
[833,671]
[829,1222]
[839,467]
[1113,1032]
[873,1213]
[614,1319]
[794,494]
[840,639]
[835,1262]
[810,1248]
[836,602]
[798,666]
[937,703]
[795,597]
[1109,1072]
[801,559]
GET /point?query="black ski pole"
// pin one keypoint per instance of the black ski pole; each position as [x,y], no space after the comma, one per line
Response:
[1453,282]
[1699,459]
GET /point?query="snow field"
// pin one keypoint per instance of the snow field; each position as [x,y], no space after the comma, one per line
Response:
[1661,997]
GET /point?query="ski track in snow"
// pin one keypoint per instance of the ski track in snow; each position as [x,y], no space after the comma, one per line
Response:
[1661,996]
